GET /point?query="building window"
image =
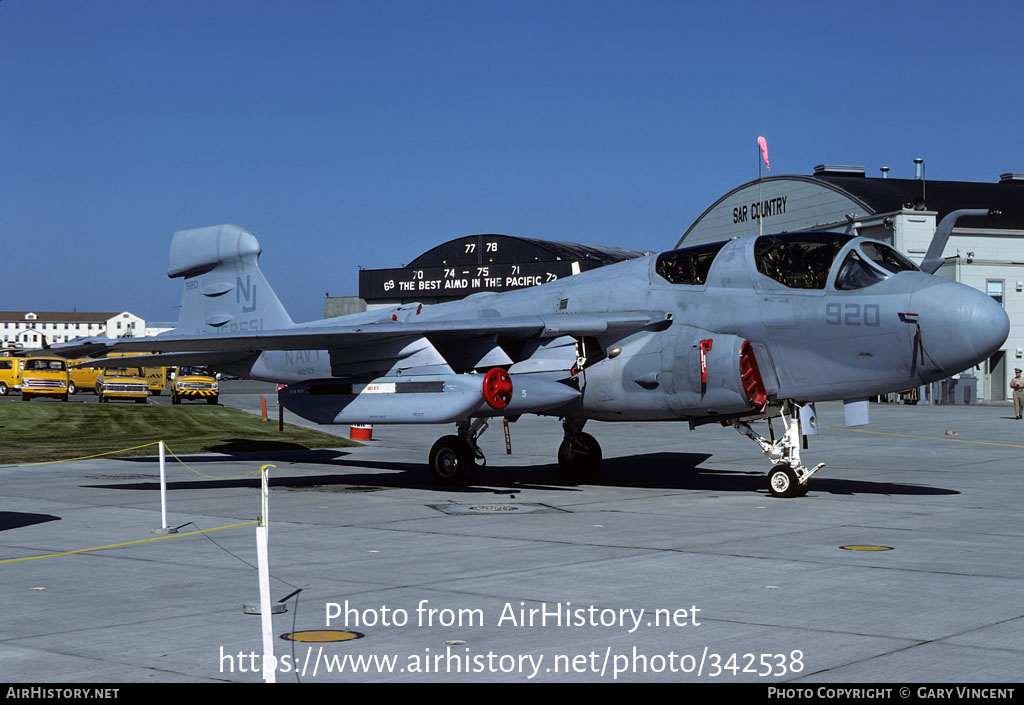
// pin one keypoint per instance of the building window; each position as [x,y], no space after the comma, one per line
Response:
[995,290]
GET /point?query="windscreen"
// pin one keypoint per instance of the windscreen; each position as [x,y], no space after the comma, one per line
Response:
[124,372]
[855,273]
[51,365]
[887,258]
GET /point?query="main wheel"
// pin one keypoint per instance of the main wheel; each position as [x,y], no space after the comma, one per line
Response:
[175,399]
[72,388]
[211,400]
[451,461]
[782,482]
[581,457]
[4,389]
[141,401]
[25,397]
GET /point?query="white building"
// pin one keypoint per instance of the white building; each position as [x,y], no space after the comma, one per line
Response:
[28,329]
[986,252]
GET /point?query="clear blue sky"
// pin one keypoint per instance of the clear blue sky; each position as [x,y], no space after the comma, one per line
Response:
[348,133]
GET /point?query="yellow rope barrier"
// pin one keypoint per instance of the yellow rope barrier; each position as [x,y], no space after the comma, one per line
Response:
[144,445]
[126,543]
[86,457]
[210,477]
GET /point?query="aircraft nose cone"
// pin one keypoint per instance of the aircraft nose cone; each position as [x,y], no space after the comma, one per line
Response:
[989,325]
[960,326]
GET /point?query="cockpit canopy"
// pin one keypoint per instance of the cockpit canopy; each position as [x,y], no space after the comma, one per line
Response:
[795,260]
[803,261]
[689,265]
[798,261]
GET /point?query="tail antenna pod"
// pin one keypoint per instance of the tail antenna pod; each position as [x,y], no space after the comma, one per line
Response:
[497,388]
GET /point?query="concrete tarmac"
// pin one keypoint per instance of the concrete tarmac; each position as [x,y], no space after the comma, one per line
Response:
[674,566]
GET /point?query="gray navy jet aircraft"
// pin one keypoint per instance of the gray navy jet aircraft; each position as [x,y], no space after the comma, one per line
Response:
[730,332]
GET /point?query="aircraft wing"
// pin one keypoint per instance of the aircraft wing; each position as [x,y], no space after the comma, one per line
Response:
[204,359]
[334,337]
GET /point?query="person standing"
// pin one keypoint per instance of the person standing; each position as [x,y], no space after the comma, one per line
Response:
[1017,385]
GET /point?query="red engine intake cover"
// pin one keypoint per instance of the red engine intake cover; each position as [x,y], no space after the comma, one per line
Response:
[497,388]
[753,385]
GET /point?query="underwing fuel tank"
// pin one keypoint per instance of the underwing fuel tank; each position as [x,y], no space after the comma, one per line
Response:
[425,398]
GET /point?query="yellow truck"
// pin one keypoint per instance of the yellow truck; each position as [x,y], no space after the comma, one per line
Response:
[44,377]
[10,375]
[122,383]
[193,383]
[156,377]
[81,378]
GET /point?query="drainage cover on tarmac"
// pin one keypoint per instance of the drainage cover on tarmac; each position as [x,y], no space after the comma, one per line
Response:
[493,509]
[321,635]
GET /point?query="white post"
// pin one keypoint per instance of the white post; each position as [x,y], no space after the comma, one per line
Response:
[263,565]
[163,495]
[266,621]
[163,488]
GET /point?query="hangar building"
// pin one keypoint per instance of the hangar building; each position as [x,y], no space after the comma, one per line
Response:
[472,264]
[986,253]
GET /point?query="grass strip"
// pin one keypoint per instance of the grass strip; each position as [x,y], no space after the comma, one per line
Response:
[47,431]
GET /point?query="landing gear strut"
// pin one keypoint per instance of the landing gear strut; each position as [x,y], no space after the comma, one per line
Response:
[453,458]
[579,453]
[788,477]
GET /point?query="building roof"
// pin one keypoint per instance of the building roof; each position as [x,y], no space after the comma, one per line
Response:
[58,316]
[887,195]
[513,248]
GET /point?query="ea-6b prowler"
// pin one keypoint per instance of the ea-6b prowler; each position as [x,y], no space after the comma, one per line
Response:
[729,332]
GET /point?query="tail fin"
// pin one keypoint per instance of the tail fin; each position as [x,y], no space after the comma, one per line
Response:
[224,287]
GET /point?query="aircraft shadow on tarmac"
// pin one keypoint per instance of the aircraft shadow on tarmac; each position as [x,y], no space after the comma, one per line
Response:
[670,471]
[17,520]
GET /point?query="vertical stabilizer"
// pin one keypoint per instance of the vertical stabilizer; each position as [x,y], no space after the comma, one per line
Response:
[224,291]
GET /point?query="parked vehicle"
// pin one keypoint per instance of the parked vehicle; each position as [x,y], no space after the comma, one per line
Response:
[156,377]
[122,383]
[10,375]
[44,377]
[193,383]
[81,378]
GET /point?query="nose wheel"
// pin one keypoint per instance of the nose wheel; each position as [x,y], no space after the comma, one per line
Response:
[783,482]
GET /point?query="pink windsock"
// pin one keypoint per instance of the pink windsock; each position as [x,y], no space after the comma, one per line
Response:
[763,144]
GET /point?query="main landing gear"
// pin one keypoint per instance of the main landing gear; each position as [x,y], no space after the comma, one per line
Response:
[452,458]
[579,453]
[788,477]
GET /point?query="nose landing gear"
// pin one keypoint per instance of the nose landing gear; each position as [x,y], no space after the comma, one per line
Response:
[788,477]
